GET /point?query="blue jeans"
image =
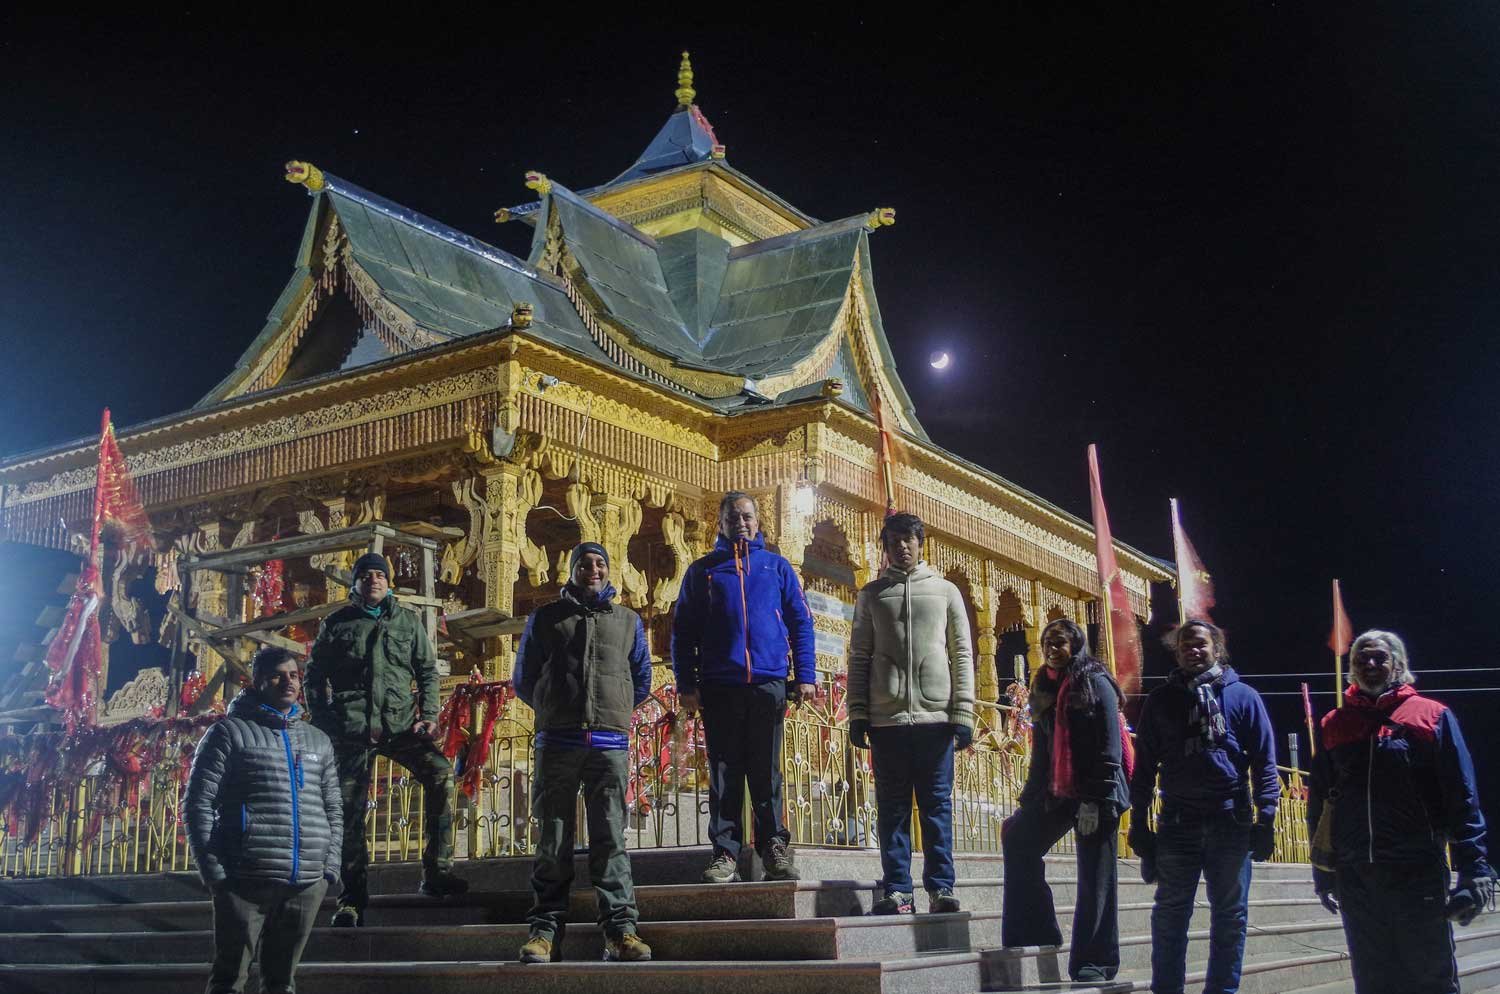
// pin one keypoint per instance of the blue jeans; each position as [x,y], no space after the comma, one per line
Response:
[1215,845]
[914,758]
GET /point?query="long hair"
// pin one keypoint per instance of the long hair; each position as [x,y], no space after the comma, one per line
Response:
[1400,667]
[1082,665]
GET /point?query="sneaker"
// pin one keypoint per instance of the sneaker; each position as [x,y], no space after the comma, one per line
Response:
[777,859]
[538,949]
[627,948]
[1091,975]
[942,901]
[723,870]
[441,883]
[346,916]
[895,902]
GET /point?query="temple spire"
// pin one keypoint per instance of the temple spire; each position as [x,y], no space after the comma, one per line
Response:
[685,91]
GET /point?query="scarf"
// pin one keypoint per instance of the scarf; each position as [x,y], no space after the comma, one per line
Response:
[1049,693]
[1206,712]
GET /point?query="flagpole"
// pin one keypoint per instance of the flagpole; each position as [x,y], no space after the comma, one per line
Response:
[1177,557]
[1338,658]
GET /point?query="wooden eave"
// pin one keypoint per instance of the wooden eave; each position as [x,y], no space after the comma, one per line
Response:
[990,486]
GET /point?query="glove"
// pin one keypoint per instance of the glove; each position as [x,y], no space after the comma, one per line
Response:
[963,737]
[1262,840]
[1330,899]
[1327,888]
[1088,818]
[1469,898]
[859,733]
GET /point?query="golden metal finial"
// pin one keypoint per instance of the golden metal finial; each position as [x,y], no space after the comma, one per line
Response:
[520,315]
[306,174]
[880,217]
[536,181]
[685,91]
[502,215]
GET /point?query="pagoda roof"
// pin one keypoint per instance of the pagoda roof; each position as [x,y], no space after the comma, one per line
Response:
[686,138]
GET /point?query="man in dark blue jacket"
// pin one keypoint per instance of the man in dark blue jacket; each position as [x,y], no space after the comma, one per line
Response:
[740,615]
[1391,796]
[583,666]
[1207,738]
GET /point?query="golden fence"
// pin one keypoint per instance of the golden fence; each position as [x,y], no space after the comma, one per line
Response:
[828,795]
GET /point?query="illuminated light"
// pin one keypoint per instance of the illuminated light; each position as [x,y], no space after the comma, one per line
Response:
[940,360]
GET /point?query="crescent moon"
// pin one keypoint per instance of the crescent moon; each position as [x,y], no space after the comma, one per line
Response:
[940,360]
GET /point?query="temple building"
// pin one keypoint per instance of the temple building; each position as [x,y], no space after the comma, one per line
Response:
[674,333]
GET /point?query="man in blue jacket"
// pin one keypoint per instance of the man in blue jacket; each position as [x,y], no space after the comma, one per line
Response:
[740,615]
[583,666]
[1391,797]
[1207,738]
[264,822]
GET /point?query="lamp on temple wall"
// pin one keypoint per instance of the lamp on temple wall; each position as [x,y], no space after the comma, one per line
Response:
[805,500]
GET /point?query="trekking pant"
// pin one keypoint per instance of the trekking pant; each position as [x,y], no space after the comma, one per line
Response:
[1400,941]
[554,793]
[1028,916]
[430,768]
[275,917]
[914,758]
[743,726]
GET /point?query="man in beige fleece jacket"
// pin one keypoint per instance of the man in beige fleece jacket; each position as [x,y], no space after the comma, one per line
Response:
[911,701]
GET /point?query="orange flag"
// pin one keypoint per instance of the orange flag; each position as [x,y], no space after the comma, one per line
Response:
[75,654]
[1124,639]
[1195,588]
[1343,632]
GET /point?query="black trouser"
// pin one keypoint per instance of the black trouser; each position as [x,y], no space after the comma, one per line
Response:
[430,768]
[554,791]
[1028,915]
[275,917]
[743,726]
[1399,938]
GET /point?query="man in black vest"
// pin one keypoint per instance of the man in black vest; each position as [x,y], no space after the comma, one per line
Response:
[583,666]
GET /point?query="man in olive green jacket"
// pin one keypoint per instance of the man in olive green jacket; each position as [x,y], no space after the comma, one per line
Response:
[911,699]
[359,691]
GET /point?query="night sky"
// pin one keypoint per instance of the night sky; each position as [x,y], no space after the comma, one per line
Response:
[1253,256]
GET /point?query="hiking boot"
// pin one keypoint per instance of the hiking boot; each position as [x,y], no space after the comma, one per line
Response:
[777,859]
[942,901]
[538,948]
[441,883]
[723,870]
[346,916]
[895,902]
[627,948]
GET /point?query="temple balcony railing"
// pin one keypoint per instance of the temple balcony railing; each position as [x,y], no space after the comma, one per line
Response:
[95,828]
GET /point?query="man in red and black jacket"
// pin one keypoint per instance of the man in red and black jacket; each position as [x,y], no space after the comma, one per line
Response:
[742,647]
[1392,788]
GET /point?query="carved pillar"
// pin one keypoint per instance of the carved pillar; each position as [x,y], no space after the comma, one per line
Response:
[1036,620]
[674,531]
[210,593]
[794,526]
[336,512]
[985,646]
[499,555]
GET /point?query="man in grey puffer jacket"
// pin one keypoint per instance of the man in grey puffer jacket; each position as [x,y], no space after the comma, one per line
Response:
[911,700]
[264,819]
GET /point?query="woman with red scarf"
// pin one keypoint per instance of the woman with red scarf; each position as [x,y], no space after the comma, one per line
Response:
[1077,782]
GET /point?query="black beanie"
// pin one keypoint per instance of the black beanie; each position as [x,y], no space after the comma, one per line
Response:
[372,560]
[578,552]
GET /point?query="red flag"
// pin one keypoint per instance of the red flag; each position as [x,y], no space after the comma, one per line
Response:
[1343,632]
[1125,643]
[1195,588]
[75,654]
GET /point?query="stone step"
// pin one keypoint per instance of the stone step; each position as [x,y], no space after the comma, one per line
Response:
[863,938]
[1323,967]
[942,972]
[648,866]
[1478,972]
[657,902]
